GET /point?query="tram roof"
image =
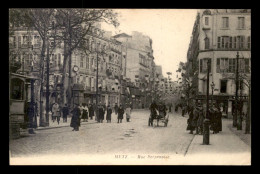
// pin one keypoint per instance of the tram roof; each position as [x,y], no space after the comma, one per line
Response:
[24,76]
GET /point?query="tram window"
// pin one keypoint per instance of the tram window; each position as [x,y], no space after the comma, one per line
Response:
[17,89]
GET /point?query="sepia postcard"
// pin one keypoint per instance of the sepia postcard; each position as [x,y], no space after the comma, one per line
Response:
[129,86]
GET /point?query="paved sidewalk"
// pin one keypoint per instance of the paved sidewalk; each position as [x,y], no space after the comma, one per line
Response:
[225,148]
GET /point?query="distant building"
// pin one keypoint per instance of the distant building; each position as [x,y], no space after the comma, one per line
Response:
[139,61]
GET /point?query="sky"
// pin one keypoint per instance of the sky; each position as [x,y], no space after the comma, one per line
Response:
[170,30]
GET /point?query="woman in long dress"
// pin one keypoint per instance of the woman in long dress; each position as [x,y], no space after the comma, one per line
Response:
[128,113]
[75,120]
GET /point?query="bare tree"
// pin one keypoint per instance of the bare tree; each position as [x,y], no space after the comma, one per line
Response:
[246,80]
[74,25]
[38,20]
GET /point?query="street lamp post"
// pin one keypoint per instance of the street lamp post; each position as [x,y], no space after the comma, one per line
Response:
[206,120]
[212,91]
[236,95]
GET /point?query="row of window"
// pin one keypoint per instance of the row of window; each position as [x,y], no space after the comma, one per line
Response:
[226,65]
[228,42]
[92,46]
[24,40]
[240,22]
[25,58]
[236,42]
[225,22]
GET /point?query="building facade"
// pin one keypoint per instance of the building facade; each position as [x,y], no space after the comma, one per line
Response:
[219,36]
[139,64]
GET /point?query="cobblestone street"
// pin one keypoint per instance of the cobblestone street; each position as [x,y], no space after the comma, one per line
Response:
[102,138]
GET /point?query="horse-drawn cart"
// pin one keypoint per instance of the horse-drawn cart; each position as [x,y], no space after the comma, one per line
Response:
[164,118]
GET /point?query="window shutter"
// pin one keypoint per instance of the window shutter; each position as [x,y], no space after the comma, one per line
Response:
[235,42]
[218,65]
[200,65]
[219,42]
[230,42]
[249,42]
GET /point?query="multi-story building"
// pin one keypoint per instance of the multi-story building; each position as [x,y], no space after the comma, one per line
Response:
[139,58]
[25,46]
[109,69]
[219,36]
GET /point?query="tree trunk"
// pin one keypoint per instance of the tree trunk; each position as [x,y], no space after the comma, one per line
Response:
[69,82]
[47,87]
[41,87]
[64,71]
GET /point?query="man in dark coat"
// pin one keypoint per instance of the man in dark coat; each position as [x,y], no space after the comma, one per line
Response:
[198,118]
[153,108]
[153,112]
[65,113]
[116,108]
[75,120]
[91,111]
[101,113]
[121,112]
[219,118]
[109,113]
[191,115]
[214,119]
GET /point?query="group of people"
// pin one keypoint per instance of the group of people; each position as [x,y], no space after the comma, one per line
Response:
[57,111]
[197,114]
[81,112]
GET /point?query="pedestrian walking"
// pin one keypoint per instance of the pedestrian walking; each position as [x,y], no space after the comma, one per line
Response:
[116,108]
[120,114]
[128,112]
[219,118]
[81,111]
[65,113]
[198,118]
[213,112]
[91,111]
[56,112]
[75,120]
[170,107]
[183,110]
[153,112]
[190,126]
[109,113]
[101,113]
[85,112]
